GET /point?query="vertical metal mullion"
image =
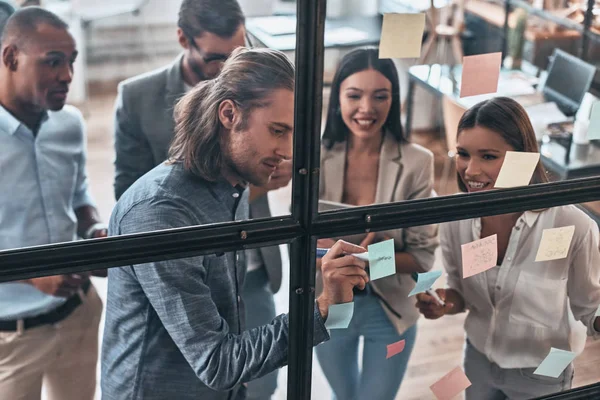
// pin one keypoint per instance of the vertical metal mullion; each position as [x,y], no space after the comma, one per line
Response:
[505,29]
[587,23]
[307,121]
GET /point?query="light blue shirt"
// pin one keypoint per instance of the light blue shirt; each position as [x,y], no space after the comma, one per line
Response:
[42,180]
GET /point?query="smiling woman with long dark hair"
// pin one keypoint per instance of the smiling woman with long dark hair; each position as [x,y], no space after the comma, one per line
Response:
[520,308]
[365,159]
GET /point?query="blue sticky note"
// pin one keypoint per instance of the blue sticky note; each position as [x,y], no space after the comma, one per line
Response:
[555,363]
[339,316]
[594,127]
[382,259]
[425,281]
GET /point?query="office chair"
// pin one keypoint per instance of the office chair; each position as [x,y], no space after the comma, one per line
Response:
[445,28]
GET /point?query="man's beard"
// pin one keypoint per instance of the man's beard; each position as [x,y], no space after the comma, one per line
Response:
[197,71]
[244,172]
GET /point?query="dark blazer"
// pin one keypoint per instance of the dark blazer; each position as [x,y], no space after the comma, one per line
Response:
[144,128]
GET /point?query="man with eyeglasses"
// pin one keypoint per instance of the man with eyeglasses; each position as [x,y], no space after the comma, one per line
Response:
[208,31]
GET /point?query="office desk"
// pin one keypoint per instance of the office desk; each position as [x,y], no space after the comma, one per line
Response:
[339,32]
[584,160]
[444,80]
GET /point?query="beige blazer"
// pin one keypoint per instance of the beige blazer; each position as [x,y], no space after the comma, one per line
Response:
[405,173]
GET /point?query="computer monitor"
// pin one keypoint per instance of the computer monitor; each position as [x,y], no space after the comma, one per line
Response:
[569,78]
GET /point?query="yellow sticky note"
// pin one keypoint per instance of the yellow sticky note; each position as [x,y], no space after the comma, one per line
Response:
[517,169]
[401,35]
[555,243]
[480,74]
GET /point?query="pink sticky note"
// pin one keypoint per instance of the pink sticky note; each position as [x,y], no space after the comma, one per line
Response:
[480,74]
[395,348]
[479,255]
[451,384]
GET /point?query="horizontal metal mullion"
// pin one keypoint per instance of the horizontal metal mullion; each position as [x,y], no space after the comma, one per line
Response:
[184,242]
[85,255]
[451,208]
[582,393]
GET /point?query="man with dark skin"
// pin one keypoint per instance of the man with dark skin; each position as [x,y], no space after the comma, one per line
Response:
[48,325]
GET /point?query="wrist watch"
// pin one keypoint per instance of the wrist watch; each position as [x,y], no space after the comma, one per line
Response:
[98,226]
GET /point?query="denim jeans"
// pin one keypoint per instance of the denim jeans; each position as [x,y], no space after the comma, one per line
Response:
[490,382]
[380,378]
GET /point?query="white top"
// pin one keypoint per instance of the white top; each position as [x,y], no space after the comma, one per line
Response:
[535,304]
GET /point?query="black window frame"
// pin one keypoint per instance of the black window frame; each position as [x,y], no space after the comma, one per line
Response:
[304,225]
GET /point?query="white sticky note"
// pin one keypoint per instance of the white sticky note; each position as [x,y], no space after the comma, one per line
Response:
[339,316]
[597,312]
[479,255]
[517,169]
[555,363]
[401,35]
[555,243]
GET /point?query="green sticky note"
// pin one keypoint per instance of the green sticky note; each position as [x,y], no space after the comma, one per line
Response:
[382,259]
[339,316]
[594,127]
[555,363]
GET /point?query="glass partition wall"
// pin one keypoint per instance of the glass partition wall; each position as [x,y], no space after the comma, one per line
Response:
[305,225]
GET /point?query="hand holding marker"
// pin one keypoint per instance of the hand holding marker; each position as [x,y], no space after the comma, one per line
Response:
[430,292]
[361,256]
[365,257]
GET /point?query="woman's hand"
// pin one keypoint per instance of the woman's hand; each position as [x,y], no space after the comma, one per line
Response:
[430,308]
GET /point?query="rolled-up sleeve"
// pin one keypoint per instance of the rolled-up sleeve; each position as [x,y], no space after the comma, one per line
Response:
[421,241]
[82,195]
[179,293]
[584,280]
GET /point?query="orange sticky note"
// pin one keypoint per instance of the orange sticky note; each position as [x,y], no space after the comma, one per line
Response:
[479,255]
[395,348]
[451,384]
[480,74]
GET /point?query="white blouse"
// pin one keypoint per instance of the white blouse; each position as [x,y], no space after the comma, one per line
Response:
[518,310]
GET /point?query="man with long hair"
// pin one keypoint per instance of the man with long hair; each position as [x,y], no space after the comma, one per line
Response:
[175,328]
[208,31]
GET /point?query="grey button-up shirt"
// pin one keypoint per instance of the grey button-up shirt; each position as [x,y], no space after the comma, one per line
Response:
[174,329]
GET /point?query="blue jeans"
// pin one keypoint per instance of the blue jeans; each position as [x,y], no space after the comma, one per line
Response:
[380,378]
[260,310]
[490,382]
